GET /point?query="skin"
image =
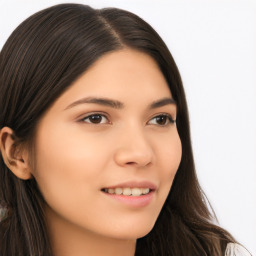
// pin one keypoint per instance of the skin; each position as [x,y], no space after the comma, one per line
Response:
[75,158]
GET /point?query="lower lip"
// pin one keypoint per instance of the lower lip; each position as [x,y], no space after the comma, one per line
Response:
[134,201]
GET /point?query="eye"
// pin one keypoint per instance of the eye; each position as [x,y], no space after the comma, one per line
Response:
[95,119]
[162,120]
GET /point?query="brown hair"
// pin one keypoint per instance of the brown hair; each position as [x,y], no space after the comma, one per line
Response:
[39,61]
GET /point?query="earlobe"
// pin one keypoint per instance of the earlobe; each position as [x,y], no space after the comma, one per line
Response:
[15,158]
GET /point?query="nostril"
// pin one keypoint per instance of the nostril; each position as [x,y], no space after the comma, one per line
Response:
[138,164]
[130,163]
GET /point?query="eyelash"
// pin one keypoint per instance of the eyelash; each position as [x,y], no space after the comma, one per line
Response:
[168,121]
[94,115]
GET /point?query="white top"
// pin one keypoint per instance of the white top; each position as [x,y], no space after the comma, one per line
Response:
[236,250]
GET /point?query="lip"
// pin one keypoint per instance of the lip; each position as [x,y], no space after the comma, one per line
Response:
[135,184]
[133,201]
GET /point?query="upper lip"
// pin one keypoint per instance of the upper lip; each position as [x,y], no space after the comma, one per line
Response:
[135,184]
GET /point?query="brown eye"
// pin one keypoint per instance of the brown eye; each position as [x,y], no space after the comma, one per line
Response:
[96,119]
[161,120]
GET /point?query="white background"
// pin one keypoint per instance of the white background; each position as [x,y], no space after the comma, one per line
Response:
[214,45]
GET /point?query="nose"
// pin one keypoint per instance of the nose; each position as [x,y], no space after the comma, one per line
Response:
[133,149]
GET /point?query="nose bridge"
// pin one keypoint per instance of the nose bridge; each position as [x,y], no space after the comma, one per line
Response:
[134,146]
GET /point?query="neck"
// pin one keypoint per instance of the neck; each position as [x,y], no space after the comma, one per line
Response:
[68,239]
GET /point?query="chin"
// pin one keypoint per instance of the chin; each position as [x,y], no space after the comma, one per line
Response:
[132,232]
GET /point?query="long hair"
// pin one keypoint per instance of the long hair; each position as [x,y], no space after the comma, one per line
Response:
[39,61]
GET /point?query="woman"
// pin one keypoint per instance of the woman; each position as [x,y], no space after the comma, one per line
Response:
[96,156]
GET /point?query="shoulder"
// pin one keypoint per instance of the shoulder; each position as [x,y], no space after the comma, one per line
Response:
[236,250]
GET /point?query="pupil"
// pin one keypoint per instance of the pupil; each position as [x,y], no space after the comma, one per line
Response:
[95,119]
[161,120]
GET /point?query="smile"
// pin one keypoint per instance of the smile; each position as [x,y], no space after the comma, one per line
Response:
[135,197]
[127,191]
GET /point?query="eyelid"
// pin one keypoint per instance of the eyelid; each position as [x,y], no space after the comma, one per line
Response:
[85,116]
[172,120]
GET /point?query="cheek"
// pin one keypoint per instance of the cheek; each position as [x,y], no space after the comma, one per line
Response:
[68,162]
[63,148]
[169,157]
[170,153]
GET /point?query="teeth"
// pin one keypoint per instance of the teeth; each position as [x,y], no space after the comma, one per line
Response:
[136,192]
[110,190]
[145,191]
[127,191]
[118,191]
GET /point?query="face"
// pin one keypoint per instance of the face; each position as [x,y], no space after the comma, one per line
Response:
[108,149]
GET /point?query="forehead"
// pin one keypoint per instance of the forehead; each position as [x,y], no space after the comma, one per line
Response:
[125,75]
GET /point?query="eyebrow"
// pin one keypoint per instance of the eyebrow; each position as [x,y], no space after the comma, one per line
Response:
[117,104]
[100,101]
[162,102]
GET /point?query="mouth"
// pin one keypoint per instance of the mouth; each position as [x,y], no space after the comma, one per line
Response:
[132,197]
[132,194]
[127,191]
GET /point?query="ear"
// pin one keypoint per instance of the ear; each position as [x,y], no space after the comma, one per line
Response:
[15,158]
